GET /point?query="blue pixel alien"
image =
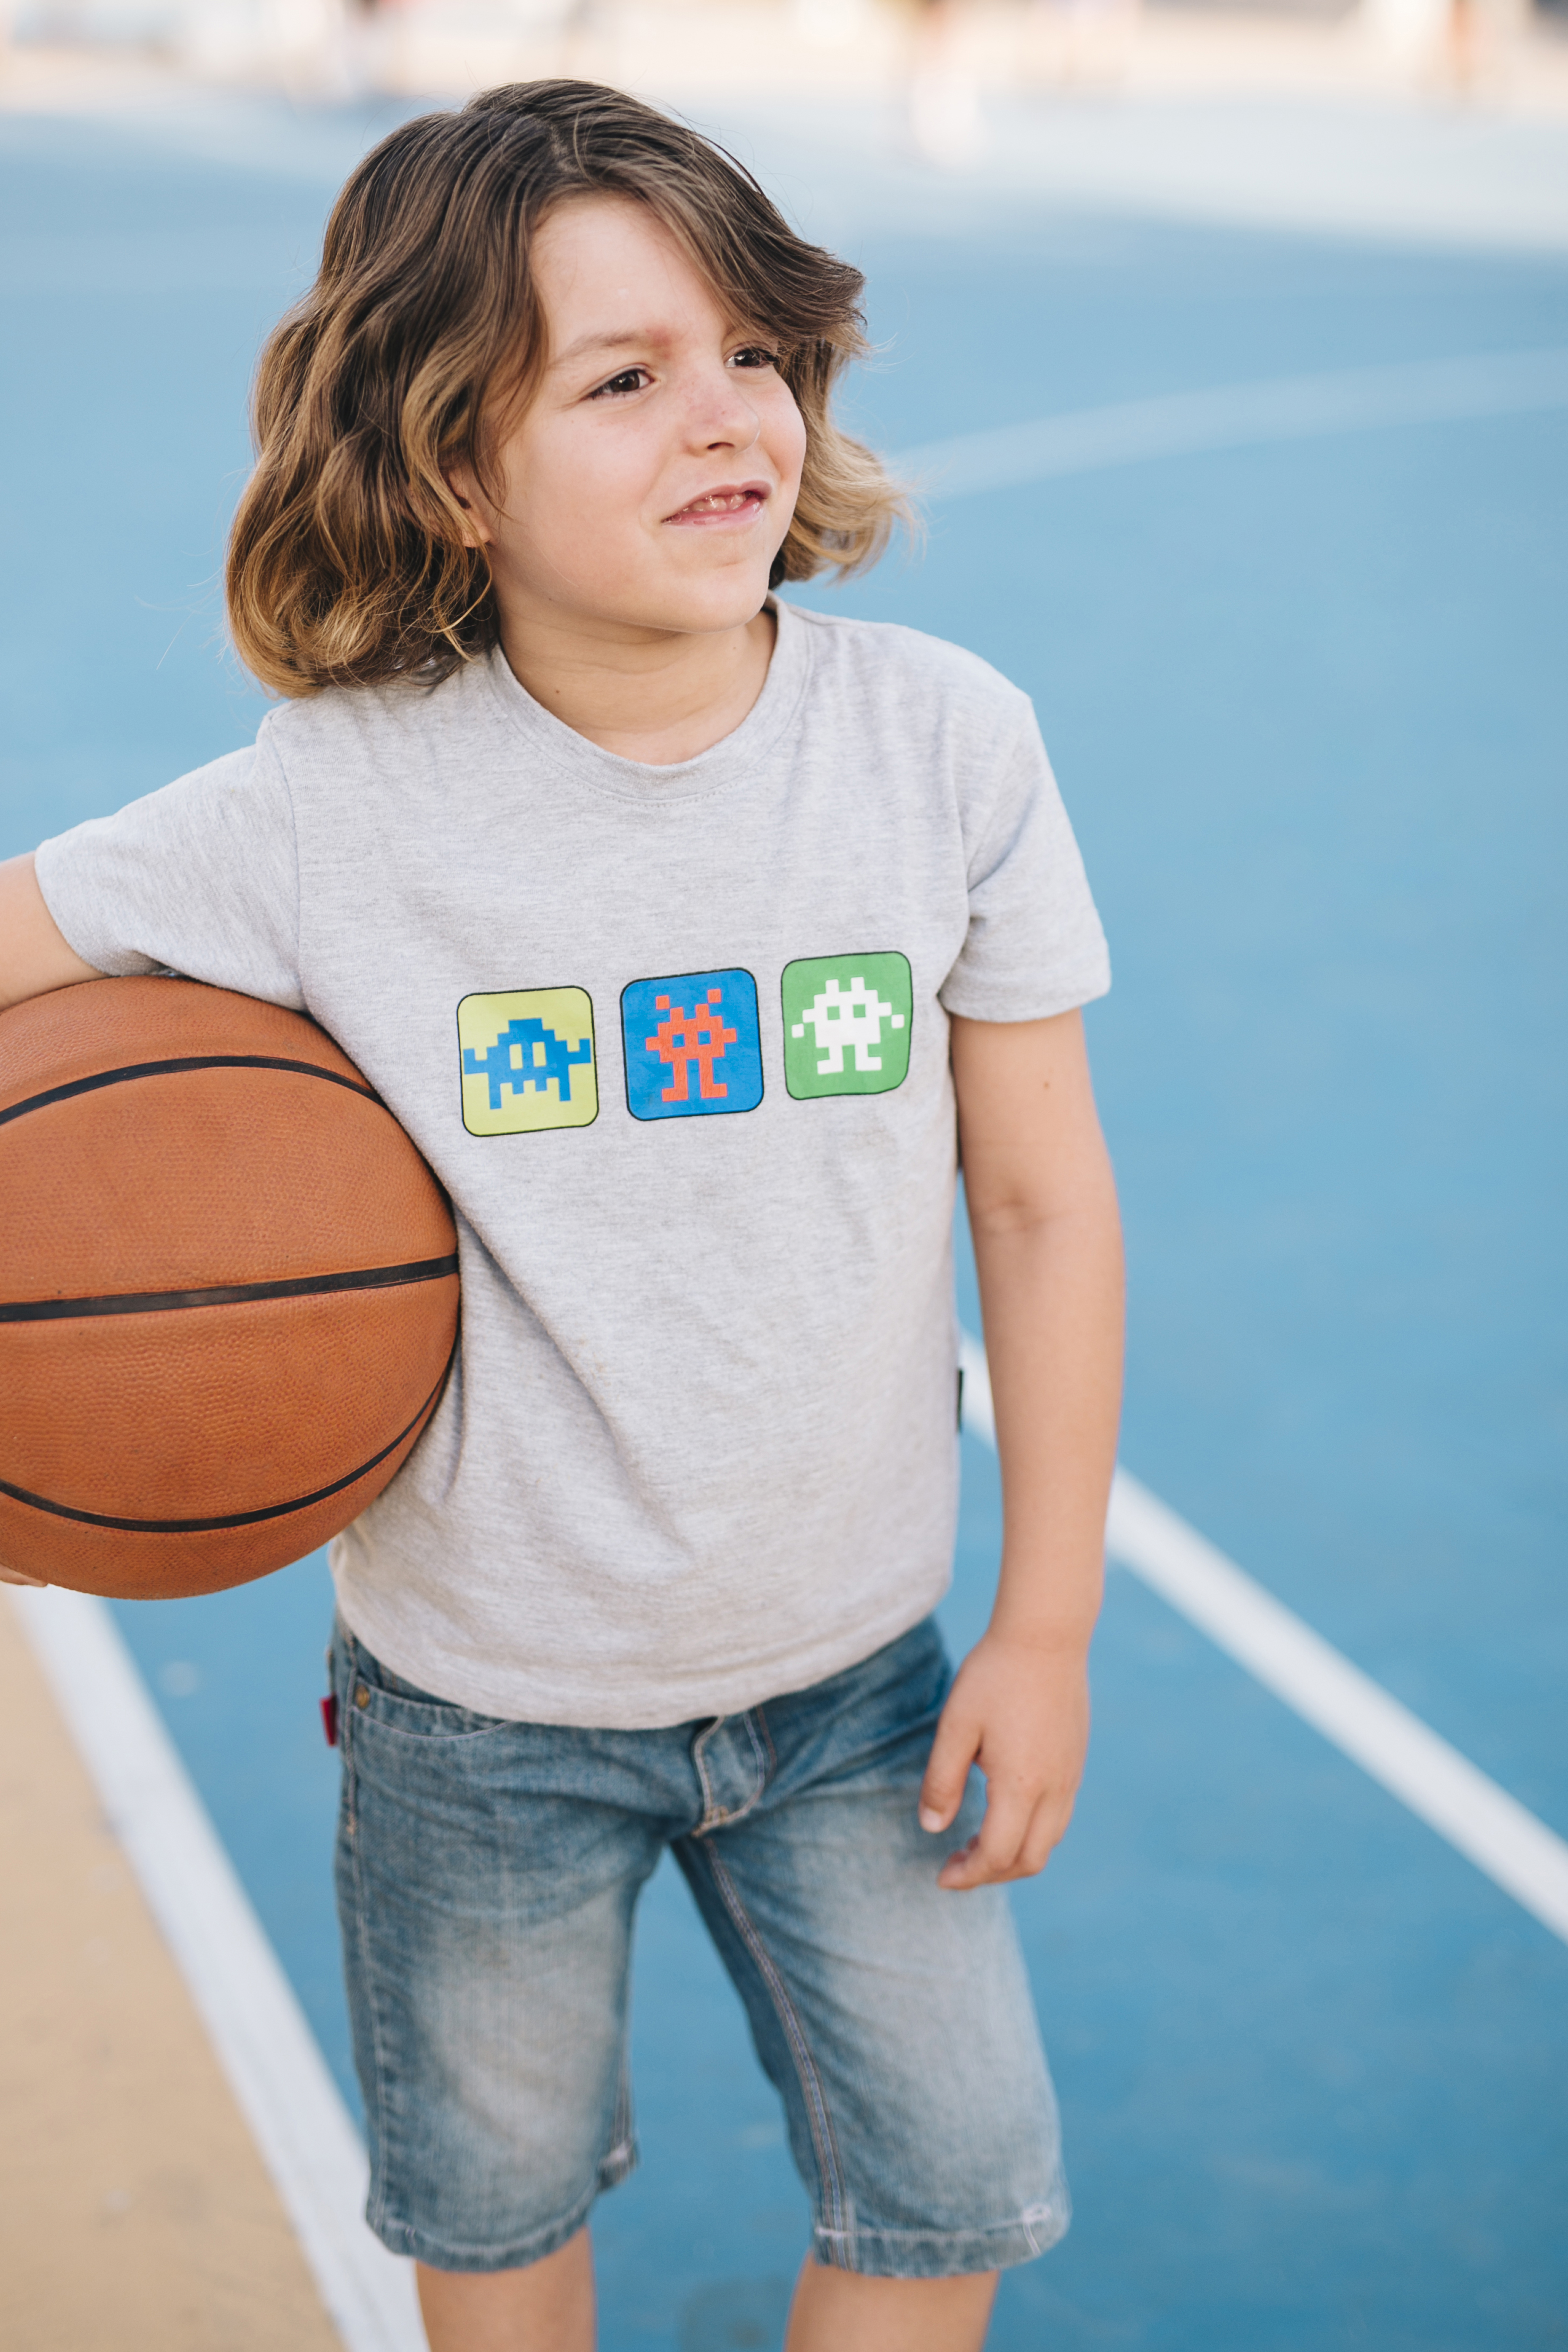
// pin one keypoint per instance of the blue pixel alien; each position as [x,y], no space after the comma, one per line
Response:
[527,1054]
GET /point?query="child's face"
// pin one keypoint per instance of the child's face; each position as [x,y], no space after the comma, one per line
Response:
[651,480]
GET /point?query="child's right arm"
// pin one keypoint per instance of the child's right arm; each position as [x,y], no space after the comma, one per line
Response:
[34,957]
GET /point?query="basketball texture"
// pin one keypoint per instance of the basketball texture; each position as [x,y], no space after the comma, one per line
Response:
[228,1289]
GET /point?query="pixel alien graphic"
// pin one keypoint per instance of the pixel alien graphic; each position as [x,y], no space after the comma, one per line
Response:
[847,1021]
[683,1038]
[525,1054]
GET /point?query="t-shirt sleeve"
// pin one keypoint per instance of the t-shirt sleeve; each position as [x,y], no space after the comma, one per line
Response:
[201,878]
[1034,945]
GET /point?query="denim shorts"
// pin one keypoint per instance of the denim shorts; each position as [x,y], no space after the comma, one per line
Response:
[487,1875]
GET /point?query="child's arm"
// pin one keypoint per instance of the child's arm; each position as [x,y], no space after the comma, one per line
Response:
[34,958]
[1043,1209]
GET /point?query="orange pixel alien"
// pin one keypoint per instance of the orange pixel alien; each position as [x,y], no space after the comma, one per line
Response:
[683,1038]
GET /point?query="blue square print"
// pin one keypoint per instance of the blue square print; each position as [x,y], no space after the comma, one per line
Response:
[694,1046]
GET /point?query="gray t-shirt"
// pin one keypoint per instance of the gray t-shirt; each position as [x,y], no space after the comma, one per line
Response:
[675,1042]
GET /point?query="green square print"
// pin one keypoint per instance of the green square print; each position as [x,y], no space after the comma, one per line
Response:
[847,1020]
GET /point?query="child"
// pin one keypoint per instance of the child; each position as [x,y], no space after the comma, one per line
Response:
[689,936]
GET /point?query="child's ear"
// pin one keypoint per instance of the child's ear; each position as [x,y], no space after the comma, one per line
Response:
[460,482]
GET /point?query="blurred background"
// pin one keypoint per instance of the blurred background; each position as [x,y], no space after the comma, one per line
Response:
[1230,345]
[944,56]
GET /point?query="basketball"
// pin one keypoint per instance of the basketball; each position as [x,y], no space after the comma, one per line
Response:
[228,1289]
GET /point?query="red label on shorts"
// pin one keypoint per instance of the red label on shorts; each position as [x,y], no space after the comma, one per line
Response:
[330,1719]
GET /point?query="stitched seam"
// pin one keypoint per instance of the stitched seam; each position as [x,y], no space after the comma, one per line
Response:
[621,2124]
[565,766]
[757,1750]
[282,765]
[711,1815]
[414,2239]
[805,2065]
[741,1811]
[863,2230]
[760,1713]
[362,1930]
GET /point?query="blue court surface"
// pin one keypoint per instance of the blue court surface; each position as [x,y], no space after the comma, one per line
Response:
[1308,703]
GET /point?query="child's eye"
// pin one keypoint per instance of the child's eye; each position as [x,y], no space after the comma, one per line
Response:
[754,355]
[631,379]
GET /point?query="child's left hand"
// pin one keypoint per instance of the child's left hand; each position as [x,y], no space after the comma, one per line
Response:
[1043,1211]
[1021,1714]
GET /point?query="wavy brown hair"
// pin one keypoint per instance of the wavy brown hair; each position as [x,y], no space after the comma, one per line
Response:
[422,332]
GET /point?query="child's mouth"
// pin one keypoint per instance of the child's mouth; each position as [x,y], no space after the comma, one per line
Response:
[722,506]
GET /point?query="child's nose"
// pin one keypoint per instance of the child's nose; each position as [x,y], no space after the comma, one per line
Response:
[722,417]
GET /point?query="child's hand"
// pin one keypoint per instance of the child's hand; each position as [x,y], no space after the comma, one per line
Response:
[1022,1716]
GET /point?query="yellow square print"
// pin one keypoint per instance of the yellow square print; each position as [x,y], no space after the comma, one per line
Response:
[528,1060]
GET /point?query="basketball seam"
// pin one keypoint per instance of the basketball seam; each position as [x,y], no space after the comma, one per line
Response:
[174,1068]
[238,1294]
[232,1518]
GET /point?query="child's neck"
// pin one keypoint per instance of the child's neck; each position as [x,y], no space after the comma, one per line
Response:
[656,697]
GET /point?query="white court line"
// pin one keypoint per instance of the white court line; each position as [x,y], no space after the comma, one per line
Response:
[273,2065]
[1232,417]
[1487,1825]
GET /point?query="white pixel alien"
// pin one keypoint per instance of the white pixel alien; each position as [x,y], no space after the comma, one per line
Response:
[850,1019]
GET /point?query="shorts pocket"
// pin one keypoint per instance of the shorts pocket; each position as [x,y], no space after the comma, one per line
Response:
[372,1695]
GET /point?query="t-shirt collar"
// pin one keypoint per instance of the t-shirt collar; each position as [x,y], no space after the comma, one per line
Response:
[729,761]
